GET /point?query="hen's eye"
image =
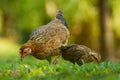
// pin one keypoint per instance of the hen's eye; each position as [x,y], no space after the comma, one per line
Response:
[25,51]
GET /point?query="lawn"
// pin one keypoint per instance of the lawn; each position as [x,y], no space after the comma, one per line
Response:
[11,68]
[32,69]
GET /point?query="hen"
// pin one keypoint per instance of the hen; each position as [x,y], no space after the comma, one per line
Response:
[45,41]
[79,54]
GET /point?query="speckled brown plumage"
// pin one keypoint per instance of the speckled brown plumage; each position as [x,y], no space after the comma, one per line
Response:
[79,54]
[46,40]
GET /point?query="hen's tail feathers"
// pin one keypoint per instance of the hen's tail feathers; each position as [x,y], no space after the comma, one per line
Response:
[59,12]
[60,17]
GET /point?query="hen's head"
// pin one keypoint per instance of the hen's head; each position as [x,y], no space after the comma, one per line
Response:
[24,51]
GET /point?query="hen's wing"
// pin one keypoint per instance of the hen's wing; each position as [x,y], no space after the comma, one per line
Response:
[53,30]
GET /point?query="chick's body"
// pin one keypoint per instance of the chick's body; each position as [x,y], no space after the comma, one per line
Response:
[79,54]
[46,40]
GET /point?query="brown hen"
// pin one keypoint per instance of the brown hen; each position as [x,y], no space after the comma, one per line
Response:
[79,54]
[46,40]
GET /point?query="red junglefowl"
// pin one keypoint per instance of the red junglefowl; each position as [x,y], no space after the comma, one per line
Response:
[45,41]
[79,54]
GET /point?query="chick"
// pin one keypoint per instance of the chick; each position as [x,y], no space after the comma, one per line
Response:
[79,54]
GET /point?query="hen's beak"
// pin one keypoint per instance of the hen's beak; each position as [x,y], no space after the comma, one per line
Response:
[22,57]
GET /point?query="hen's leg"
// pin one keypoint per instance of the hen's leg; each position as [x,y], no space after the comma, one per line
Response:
[49,60]
[57,59]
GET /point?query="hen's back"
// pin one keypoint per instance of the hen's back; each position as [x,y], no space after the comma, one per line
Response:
[53,31]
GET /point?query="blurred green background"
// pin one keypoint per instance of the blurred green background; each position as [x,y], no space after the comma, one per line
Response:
[94,23]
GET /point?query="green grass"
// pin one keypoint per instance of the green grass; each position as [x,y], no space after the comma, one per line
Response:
[32,69]
[11,68]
